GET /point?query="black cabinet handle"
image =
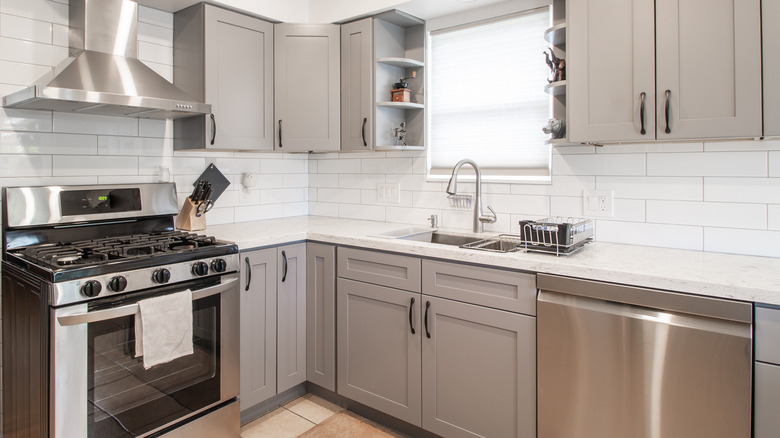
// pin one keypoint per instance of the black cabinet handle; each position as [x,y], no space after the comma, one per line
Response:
[213,129]
[248,273]
[642,113]
[363,133]
[666,111]
[427,306]
[280,134]
[411,308]
[284,266]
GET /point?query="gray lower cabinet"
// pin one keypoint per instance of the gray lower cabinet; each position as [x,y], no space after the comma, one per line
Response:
[479,371]
[321,315]
[378,346]
[273,322]
[258,326]
[766,380]
[306,87]
[225,59]
[291,316]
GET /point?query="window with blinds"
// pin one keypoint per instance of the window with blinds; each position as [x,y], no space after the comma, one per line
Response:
[486,98]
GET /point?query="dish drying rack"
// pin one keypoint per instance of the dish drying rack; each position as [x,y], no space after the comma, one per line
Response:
[556,235]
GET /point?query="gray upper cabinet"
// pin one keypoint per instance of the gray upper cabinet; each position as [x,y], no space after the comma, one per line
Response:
[258,327]
[479,371]
[357,83]
[306,87]
[707,81]
[291,316]
[321,315]
[770,16]
[225,59]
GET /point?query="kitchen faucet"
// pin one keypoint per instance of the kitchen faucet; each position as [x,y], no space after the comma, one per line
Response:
[479,219]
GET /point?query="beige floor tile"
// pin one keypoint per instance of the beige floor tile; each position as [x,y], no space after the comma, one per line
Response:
[280,423]
[313,408]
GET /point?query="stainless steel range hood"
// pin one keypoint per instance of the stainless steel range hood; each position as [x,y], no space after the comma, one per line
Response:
[103,74]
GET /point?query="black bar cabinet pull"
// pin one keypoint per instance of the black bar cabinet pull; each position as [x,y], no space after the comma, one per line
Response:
[427,306]
[248,273]
[666,111]
[642,113]
[280,134]
[284,266]
[213,129]
[363,133]
[411,308]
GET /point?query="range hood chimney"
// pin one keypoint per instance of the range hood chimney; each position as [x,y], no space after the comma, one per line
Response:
[103,75]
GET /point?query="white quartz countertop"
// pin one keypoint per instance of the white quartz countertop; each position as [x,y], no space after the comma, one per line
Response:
[737,277]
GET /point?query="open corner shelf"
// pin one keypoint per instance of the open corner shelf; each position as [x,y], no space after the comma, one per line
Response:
[401,105]
[556,35]
[401,62]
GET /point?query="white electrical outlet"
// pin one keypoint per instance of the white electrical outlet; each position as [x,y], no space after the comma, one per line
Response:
[598,203]
[388,193]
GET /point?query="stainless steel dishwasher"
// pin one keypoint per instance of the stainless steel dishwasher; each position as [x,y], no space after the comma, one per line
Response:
[624,362]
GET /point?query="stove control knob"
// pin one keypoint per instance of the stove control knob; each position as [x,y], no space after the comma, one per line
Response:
[117,284]
[218,265]
[91,288]
[200,269]
[161,276]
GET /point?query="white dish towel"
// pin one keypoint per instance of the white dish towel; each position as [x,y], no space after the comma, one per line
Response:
[163,328]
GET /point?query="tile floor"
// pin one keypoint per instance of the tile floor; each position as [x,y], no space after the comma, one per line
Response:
[292,419]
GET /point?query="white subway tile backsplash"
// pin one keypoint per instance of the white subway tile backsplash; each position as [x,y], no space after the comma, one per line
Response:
[164,70]
[324,209]
[757,190]
[47,180]
[330,180]
[155,128]
[344,165]
[237,166]
[269,181]
[365,212]
[74,165]
[292,209]
[154,16]
[417,216]
[25,120]
[518,204]
[387,165]
[360,181]
[562,185]
[774,164]
[177,166]
[649,148]
[606,164]
[27,29]
[415,181]
[774,217]
[18,73]
[708,164]
[712,214]
[36,143]
[340,195]
[295,180]
[145,146]
[751,242]
[566,206]
[154,34]
[637,233]
[742,146]
[26,165]
[44,10]
[629,210]
[127,179]
[430,200]
[274,165]
[652,187]
[92,124]
[59,35]
[219,216]
[155,53]
[31,52]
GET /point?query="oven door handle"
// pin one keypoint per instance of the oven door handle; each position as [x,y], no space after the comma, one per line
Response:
[131,309]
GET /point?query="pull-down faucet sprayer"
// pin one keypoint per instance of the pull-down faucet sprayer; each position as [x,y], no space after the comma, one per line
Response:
[452,188]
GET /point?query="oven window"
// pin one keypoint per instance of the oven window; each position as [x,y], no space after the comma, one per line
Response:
[125,400]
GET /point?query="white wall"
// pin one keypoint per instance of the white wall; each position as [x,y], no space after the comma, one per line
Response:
[42,147]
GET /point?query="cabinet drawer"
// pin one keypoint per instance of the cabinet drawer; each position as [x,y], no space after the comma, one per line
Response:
[768,335]
[766,416]
[506,290]
[380,268]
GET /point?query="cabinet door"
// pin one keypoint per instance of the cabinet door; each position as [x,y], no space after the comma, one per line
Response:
[708,68]
[258,327]
[379,348]
[770,21]
[306,87]
[357,59]
[610,70]
[225,59]
[766,417]
[291,316]
[479,371]
[321,315]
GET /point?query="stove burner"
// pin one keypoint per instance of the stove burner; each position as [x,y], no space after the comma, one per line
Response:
[102,250]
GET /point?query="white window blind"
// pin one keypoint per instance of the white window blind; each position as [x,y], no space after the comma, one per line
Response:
[486,98]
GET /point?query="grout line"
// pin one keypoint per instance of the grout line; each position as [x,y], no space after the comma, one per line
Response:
[299,415]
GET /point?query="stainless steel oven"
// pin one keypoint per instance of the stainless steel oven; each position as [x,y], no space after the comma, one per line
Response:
[76,264]
[108,390]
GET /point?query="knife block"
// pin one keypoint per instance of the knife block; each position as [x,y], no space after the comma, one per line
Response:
[188,218]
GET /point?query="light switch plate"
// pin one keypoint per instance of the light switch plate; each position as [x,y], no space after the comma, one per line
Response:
[598,203]
[388,193]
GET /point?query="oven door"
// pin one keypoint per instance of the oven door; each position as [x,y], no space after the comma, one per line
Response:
[99,389]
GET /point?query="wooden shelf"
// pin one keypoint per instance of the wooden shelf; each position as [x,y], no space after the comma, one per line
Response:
[401,62]
[556,35]
[401,105]
[556,88]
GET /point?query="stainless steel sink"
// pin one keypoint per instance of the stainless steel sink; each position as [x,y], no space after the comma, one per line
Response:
[451,239]
[494,244]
